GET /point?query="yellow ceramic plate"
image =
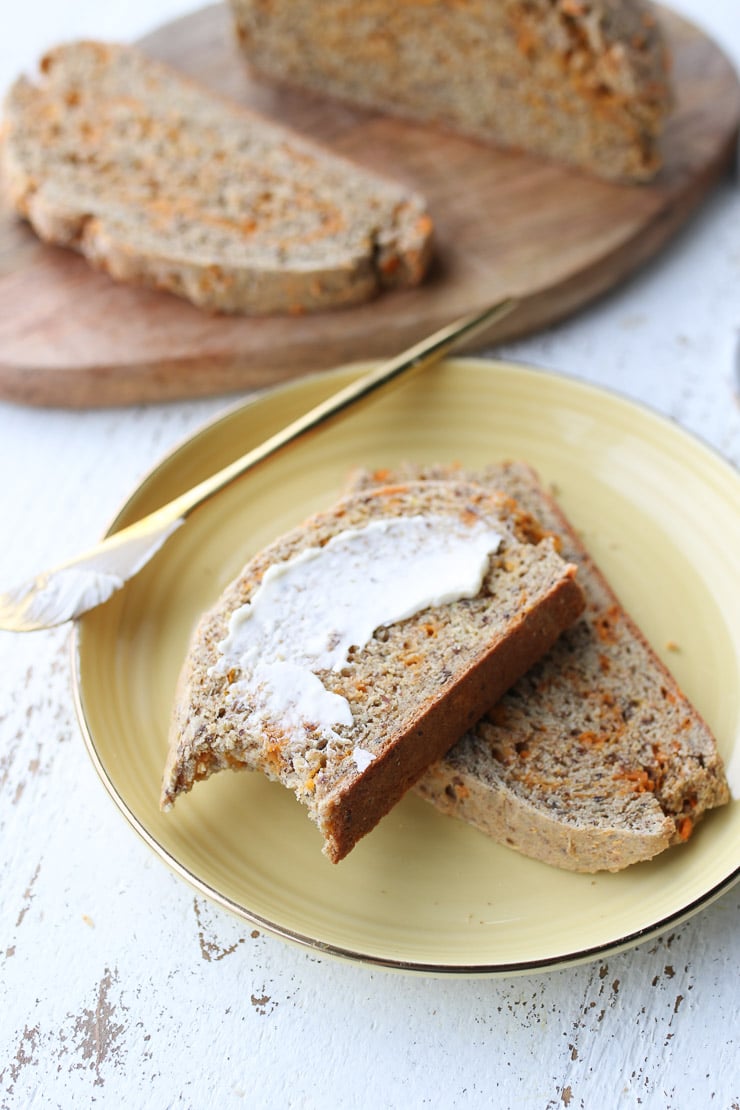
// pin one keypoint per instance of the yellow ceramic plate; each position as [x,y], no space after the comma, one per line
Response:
[661,514]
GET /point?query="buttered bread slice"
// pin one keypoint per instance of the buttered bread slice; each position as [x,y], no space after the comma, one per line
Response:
[594,759]
[157,181]
[354,651]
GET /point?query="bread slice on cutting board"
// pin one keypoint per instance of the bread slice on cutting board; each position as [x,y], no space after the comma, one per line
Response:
[157,181]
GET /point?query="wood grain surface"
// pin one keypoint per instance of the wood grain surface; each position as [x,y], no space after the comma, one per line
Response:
[506,223]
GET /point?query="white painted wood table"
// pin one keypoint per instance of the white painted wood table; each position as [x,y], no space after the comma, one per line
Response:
[119,987]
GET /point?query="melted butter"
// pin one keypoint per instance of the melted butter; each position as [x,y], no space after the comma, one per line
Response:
[310,610]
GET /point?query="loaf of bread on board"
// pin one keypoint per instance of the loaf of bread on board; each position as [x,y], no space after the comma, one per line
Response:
[364,644]
[583,82]
[157,181]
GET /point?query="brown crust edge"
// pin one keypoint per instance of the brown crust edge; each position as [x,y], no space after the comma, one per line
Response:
[351,812]
[517,824]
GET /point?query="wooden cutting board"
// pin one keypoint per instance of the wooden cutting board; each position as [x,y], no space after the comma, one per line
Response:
[506,223]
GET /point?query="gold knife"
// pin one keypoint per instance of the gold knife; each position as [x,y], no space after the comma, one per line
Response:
[81,584]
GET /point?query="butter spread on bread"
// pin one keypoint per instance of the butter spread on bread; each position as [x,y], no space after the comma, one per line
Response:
[377,575]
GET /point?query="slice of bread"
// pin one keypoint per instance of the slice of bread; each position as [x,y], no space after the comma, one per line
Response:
[595,759]
[159,182]
[581,81]
[411,689]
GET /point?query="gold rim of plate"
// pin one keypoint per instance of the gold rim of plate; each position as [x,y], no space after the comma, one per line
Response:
[658,510]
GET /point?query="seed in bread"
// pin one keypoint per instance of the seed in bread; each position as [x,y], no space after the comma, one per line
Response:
[157,181]
[594,759]
[583,82]
[354,734]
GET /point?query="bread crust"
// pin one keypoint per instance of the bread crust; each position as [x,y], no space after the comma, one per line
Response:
[159,182]
[356,808]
